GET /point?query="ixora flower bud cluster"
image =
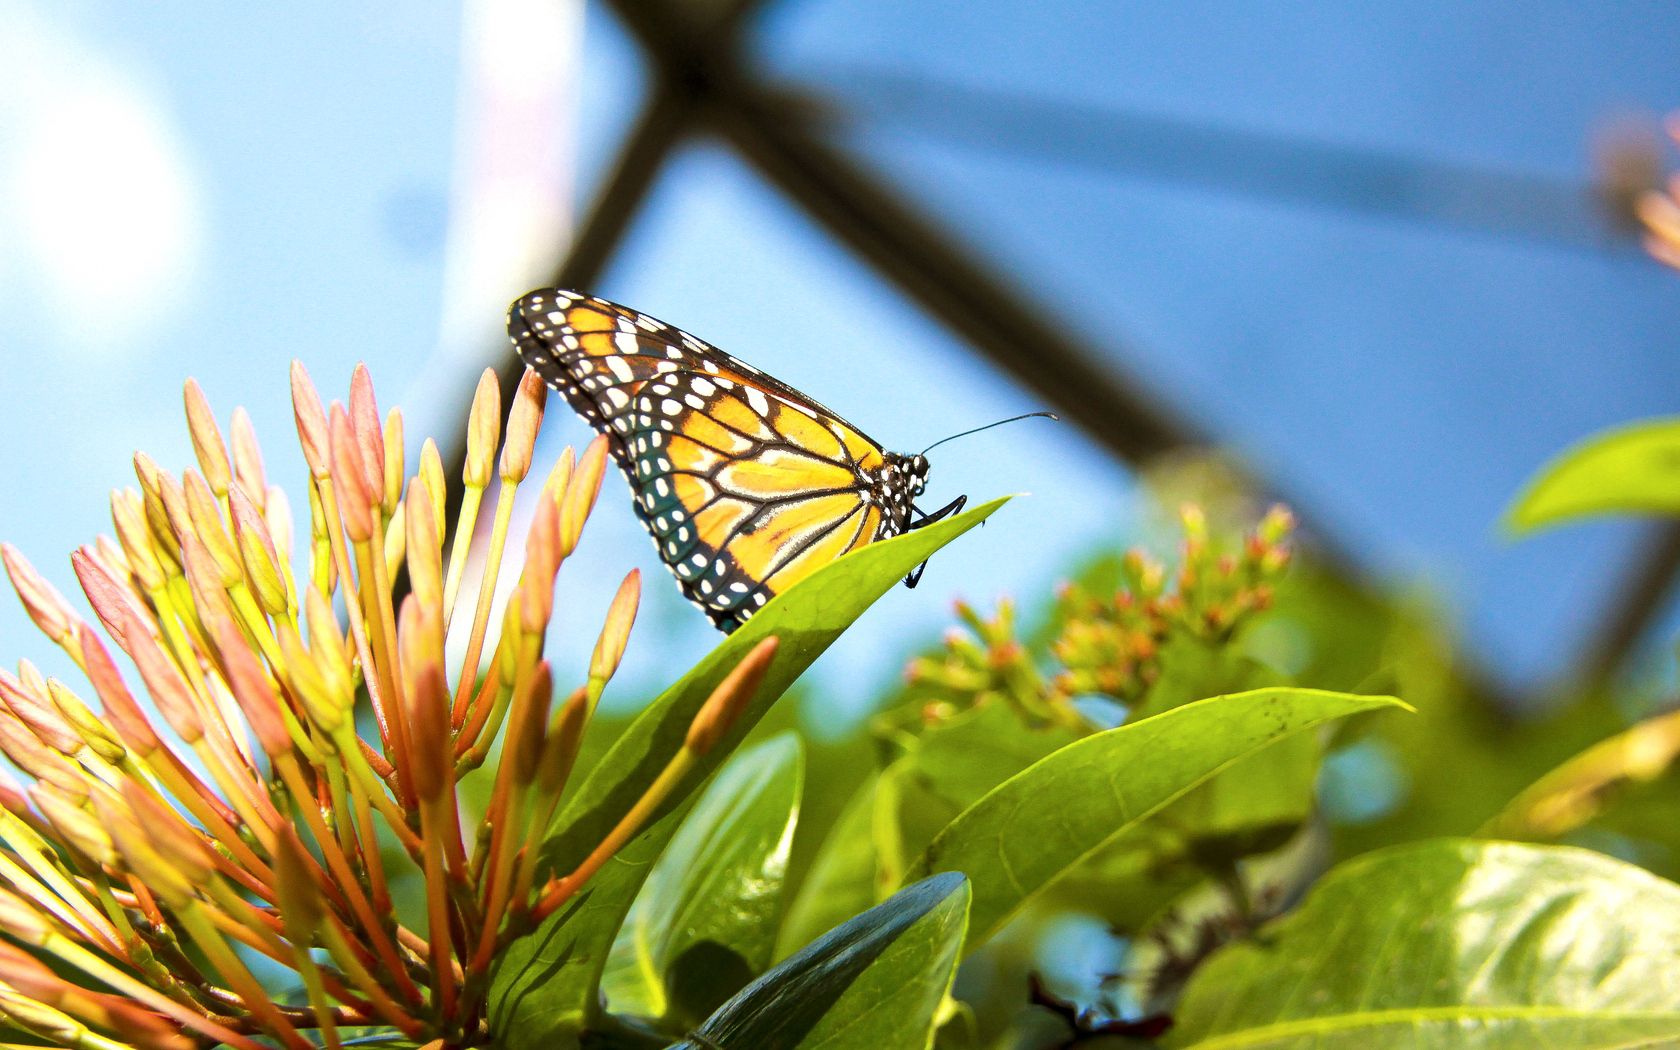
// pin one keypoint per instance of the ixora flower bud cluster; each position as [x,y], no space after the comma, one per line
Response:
[1111,645]
[226,815]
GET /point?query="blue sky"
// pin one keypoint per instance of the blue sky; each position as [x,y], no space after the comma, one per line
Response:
[283,184]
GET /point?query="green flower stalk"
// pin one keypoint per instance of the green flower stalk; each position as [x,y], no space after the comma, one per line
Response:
[223,806]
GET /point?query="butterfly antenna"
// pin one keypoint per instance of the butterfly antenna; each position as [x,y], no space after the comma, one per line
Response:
[988,426]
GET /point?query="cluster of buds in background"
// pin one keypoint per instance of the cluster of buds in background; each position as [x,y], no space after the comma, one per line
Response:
[232,810]
[1110,646]
[1658,209]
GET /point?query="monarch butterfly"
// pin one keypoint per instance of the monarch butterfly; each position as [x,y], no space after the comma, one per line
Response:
[746,485]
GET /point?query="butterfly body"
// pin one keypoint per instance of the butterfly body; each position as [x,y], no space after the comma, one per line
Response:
[746,485]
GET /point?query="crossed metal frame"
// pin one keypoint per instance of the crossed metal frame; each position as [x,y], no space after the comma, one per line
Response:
[704,84]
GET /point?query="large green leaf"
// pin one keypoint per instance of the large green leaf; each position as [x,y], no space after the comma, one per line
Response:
[704,923]
[1453,944]
[873,983]
[1044,821]
[544,988]
[843,878]
[1633,469]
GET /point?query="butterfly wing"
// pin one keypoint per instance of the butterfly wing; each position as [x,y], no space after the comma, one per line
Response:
[746,485]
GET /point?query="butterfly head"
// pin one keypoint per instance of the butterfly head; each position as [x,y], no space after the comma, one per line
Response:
[903,475]
[917,468]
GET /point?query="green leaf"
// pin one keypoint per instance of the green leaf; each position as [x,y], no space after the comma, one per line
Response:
[948,768]
[842,879]
[1044,821]
[705,920]
[544,988]
[873,983]
[1629,470]
[1452,943]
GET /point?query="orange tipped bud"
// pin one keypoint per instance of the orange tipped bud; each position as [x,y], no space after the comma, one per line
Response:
[581,490]
[420,636]
[508,648]
[112,602]
[431,476]
[153,481]
[110,554]
[80,828]
[29,753]
[207,439]
[327,643]
[168,687]
[121,712]
[36,710]
[565,734]
[257,553]
[484,428]
[23,920]
[615,632]
[178,842]
[174,501]
[250,685]
[535,593]
[128,515]
[41,600]
[301,907]
[370,437]
[324,707]
[524,420]
[425,564]
[393,469]
[87,726]
[168,879]
[525,740]
[247,456]
[311,423]
[730,697]
[395,547]
[554,486]
[206,518]
[355,498]
[1276,526]
[203,577]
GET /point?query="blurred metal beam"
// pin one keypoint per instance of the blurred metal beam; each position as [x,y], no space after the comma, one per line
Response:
[1502,202]
[929,265]
[1031,342]
[1642,595]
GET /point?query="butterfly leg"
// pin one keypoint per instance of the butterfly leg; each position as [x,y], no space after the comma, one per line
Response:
[946,511]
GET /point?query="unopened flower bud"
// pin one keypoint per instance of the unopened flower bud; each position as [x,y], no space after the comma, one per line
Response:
[581,491]
[311,423]
[206,518]
[615,631]
[247,457]
[431,476]
[207,439]
[484,428]
[41,600]
[524,420]
[256,553]
[355,498]
[370,435]
[731,696]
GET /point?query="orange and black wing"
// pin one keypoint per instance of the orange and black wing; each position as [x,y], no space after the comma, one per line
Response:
[746,485]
